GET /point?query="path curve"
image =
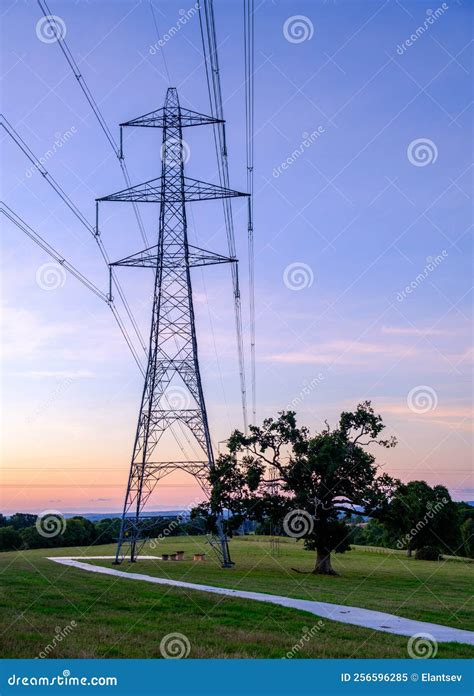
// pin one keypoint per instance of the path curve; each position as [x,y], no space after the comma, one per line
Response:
[367,618]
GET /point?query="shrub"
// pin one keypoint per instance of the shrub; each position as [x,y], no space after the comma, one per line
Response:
[9,539]
[428,553]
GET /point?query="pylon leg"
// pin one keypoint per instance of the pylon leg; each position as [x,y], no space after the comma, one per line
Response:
[226,561]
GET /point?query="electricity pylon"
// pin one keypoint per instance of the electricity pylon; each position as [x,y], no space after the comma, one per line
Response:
[172,354]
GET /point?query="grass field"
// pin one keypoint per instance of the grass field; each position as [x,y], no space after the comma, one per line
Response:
[115,617]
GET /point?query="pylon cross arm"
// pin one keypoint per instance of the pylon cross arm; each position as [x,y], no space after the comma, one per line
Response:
[163,119]
[195,190]
[150,258]
[152,192]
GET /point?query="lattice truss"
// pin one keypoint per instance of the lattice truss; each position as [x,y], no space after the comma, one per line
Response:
[173,346]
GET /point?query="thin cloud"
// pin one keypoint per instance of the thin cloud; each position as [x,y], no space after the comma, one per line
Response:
[452,416]
[56,374]
[415,331]
[344,353]
[461,412]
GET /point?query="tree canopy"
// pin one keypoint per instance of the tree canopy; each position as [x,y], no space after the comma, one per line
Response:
[318,479]
[420,516]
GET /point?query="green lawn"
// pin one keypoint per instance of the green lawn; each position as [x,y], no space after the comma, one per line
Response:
[424,590]
[120,618]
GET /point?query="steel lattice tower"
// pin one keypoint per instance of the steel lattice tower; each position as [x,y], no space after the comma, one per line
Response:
[172,352]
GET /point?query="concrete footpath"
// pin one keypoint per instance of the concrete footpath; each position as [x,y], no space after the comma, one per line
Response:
[367,618]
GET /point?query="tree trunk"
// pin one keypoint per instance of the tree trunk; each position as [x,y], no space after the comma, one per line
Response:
[409,552]
[323,563]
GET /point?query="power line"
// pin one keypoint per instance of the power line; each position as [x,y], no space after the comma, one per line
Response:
[51,251]
[25,149]
[126,336]
[119,154]
[180,425]
[211,62]
[211,326]
[71,205]
[249,121]
[158,34]
[118,150]
[93,104]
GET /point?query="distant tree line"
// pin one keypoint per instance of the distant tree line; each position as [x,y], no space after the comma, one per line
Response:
[20,531]
[425,541]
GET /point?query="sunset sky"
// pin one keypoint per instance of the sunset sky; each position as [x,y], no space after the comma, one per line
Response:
[375,201]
